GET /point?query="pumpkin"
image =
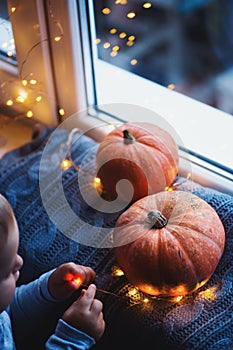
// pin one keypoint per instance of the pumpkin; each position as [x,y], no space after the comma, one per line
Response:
[142,153]
[169,244]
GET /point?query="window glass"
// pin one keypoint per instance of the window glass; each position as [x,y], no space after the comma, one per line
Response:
[7,44]
[182,45]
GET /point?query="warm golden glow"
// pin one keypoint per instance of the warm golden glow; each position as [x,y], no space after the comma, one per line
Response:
[177,299]
[134,62]
[9,53]
[171,86]
[113,31]
[116,48]
[106,45]
[132,291]
[66,164]
[209,293]
[97,41]
[61,111]
[33,81]
[24,82]
[38,98]
[29,114]
[9,102]
[20,99]
[145,300]
[106,11]
[114,53]
[13,9]
[147,5]
[122,35]
[117,272]
[57,38]
[168,188]
[131,15]
[130,43]
[131,38]
[122,2]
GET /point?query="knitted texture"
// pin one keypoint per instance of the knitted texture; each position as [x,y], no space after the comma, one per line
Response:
[201,321]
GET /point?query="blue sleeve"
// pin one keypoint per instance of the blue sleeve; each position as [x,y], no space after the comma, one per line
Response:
[69,338]
[33,308]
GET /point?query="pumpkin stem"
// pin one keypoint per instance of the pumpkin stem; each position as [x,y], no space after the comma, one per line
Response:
[157,219]
[128,138]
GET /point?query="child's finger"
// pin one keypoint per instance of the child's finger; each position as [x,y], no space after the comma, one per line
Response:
[87,298]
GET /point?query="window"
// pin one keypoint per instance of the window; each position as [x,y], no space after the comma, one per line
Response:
[75,75]
[7,44]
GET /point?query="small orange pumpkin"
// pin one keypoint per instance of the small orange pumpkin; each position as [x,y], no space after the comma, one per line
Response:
[142,153]
[169,244]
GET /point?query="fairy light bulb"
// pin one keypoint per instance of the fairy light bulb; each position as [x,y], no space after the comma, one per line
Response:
[97,41]
[57,38]
[113,31]
[29,114]
[145,300]
[122,35]
[171,86]
[13,9]
[9,54]
[106,45]
[38,98]
[9,103]
[106,11]
[133,62]
[61,111]
[24,82]
[33,81]
[131,15]
[66,164]
[118,272]
[147,5]
[77,280]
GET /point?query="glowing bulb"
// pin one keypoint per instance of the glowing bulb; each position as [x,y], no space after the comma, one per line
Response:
[106,45]
[113,31]
[131,38]
[13,9]
[116,48]
[118,272]
[168,188]
[38,98]
[98,185]
[66,164]
[147,5]
[131,15]
[61,111]
[9,53]
[132,291]
[24,82]
[177,299]
[145,300]
[130,43]
[113,53]
[33,81]
[97,41]
[29,114]
[133,62]
[20,99]
[171,86]
[9,102]
[97,180]
[57,38]
[106,11]
[77,280]
[122,35]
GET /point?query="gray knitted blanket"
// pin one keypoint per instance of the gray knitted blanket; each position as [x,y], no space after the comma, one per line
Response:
[201,321]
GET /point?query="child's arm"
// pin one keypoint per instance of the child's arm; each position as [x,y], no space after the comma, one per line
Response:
[81,324]
[35,310]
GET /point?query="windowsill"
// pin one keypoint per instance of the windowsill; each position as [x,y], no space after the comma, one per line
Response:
[200,128]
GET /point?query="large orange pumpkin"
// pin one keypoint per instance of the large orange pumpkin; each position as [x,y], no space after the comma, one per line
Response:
[172,243]
[142,153]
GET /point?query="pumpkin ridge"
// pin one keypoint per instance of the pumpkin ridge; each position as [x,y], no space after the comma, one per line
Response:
[185,254]
[202,233]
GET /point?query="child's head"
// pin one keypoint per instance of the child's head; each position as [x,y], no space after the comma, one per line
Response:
[10,261]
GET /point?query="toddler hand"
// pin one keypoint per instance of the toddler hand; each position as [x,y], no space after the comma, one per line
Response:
[86,314]
[67,278]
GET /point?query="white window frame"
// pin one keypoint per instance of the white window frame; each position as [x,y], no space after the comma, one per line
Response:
[62,67]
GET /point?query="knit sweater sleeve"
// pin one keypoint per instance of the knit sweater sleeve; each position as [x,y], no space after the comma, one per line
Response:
[32,306]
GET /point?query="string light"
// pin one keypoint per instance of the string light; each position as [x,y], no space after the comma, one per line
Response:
[106,11]
[97,41]
[9,103]
[113,31]
[131,15]
[106,45]
[133,62]
[61,111]
[147,5]
[122,35]
[171,86]
[29,114]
